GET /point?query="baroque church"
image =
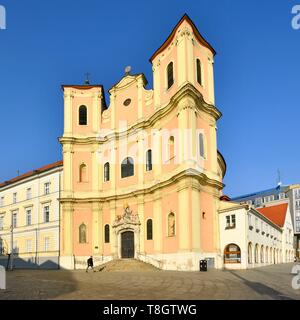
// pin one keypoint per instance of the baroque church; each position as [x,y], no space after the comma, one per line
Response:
[142,177]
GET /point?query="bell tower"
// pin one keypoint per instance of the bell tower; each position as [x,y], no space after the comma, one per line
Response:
[187,58]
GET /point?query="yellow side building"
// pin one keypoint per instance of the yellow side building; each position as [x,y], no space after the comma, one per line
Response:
[29,219]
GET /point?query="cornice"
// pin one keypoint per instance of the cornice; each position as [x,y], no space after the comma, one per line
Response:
[190,173]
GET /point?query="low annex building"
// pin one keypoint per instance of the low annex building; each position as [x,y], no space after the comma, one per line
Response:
[255,237]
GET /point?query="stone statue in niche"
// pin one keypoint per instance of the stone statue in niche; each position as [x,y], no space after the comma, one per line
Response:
[82,233]
[171,225]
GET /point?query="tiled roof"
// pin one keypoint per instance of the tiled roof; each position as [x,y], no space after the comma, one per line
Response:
[32,173]
[276,213]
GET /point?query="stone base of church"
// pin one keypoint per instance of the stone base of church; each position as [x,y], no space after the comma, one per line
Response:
[80,262]
[182,261]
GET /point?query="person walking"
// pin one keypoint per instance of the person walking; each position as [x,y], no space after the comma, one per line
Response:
[90,263]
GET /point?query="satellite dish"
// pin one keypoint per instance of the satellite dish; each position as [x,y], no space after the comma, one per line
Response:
[127,70]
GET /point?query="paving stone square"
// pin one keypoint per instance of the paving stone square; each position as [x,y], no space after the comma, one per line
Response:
[266,283]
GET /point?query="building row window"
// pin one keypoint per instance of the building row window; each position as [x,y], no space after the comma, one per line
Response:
[259,201]
[230,222]
[297,193]
[28,194]
[28,217]
[261,226]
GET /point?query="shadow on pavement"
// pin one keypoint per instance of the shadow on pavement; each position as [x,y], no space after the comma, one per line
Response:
[262,289]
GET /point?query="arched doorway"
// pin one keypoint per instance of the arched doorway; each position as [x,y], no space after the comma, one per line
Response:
[232,253]
[127,235]
[250,255]
[127,244]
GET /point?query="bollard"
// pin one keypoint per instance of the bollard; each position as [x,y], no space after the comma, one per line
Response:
[2,278]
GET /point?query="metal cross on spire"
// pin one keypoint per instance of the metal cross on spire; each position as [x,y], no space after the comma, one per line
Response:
[87,80]
[279,182]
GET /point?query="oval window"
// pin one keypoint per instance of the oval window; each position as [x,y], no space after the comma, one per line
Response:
[127,102]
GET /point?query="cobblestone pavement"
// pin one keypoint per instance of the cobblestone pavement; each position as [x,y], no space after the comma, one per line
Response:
[273,282]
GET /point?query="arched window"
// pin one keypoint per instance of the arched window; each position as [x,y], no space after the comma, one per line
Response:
[256,254]
[170,75]
[106,233]
[127,167]
[171,224]
[250,260]
[149,229]
[232,254]
[82,173]
[82,115]
[106,171]
[199,75]
[149,160]
[82,233]
[201,145]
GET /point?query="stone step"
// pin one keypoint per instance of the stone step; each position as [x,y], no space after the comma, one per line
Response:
[126,265]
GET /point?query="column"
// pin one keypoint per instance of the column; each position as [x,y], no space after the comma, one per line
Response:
[141,213]
[211,90]
[157,153]
[157,223]
[95,170]
[191,61]
[68,167]
[140,97]
[182,218]
[181,59]
[96,237]
[68,114]
[196,217]
[156,84]
[96,111]
[182,147]
[67,229]
[113,237]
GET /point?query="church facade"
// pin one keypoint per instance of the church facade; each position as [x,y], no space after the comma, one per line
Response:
[143,176]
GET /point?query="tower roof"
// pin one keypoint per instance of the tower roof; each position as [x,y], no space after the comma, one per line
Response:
[172,35]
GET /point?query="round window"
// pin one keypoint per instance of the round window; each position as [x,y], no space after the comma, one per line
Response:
[127,102]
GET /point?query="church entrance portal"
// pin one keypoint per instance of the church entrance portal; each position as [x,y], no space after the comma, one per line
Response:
[127,244]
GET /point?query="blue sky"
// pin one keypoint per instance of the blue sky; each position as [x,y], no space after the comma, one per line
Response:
[257,68]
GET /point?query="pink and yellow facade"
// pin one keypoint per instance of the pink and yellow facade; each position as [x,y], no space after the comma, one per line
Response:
[143,176]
